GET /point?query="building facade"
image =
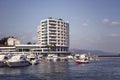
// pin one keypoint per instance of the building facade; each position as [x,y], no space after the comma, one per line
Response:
[54,34]
[11,41]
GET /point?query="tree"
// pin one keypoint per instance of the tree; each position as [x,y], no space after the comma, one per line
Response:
[3,41]
[29,43]
[53,47]
[48,46]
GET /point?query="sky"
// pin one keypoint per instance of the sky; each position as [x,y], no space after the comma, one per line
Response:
[94,24]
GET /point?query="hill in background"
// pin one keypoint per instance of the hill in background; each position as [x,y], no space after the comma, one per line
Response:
[92,52]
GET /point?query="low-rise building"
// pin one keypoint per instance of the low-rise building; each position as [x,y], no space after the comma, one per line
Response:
[13,41]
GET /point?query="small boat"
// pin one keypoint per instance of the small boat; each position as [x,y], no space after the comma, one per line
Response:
[52,57]
[17,61]
[76,56]
[70,57]
[33,59]
[82,59]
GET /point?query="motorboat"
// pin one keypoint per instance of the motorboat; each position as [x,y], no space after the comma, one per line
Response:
[70,57]
[76,56]
[33,59]
[82,59]
[52,57]
[17,61]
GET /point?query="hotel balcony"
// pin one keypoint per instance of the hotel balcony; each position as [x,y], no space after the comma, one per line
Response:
[54,29]
[52,32]
[52,41]
[52,26]
[50,38]
[51,35]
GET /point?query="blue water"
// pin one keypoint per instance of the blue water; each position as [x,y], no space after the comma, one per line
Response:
[104,69]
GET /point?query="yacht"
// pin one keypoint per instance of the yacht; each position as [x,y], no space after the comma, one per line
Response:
[52,57]
[33,59]
[17,61]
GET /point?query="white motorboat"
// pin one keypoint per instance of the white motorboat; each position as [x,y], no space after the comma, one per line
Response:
[70,57]
[82,59]
[76,56]
[33,59]
[52,57]
[17,61]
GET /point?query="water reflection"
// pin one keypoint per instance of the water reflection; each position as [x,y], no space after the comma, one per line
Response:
[19,73]
[52,67]
[54,71]
[42,71]
[7,71]
[99,70]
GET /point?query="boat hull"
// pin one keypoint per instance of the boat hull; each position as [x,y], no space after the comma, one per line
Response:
[81,62]
[2,63]
[34,62]
[18,64]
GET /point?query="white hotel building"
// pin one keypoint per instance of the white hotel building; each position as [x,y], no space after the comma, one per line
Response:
[53,35]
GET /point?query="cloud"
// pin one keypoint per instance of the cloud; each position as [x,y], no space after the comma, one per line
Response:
[0,33]
[34,38]
[74,18]
[23,37]
[113,35]
[115,23]
[85,24]
[105,21]
[110,22]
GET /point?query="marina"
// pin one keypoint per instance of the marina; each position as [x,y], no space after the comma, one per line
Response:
[25,59]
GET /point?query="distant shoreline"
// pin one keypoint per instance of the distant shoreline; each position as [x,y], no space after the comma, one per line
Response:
[109,56]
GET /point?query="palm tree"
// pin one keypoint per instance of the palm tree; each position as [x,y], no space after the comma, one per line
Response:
[48,46]
[51,47]
[54,47]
